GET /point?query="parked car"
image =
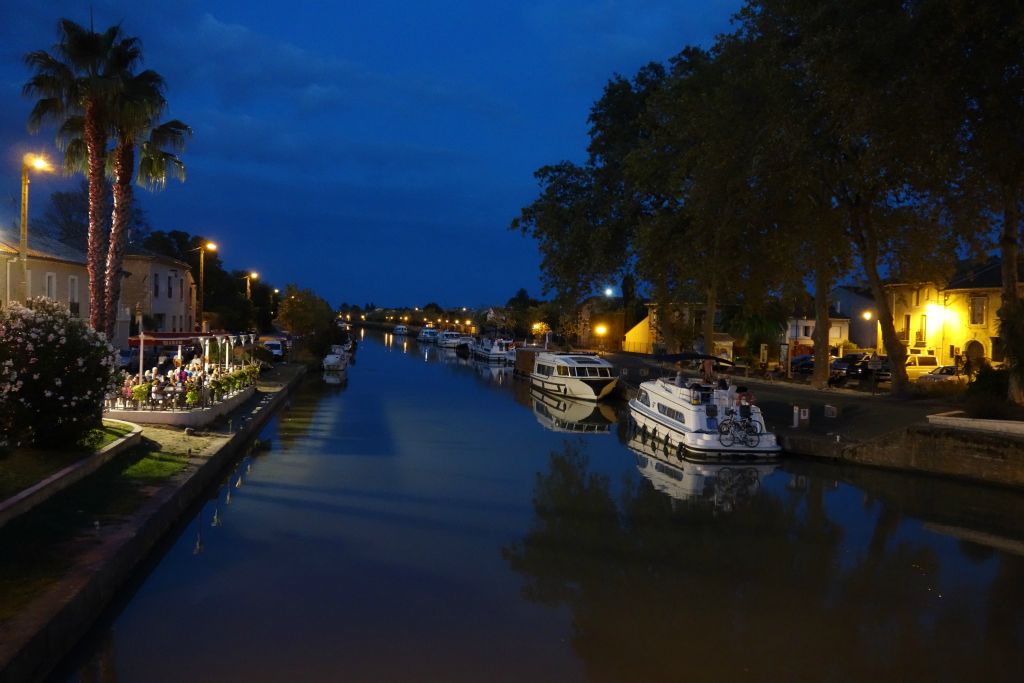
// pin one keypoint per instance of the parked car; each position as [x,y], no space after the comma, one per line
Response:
[807,367]
[861,371]
[796,361]
[918,366]
[942,375]
[276,348]
[841,365]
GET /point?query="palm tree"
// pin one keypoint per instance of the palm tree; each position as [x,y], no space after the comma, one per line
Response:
[75,85]
[133,115]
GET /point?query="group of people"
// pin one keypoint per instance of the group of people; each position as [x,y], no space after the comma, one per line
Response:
[170,385]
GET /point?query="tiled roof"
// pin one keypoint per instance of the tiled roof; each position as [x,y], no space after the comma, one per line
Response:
[41,246]
[985,274]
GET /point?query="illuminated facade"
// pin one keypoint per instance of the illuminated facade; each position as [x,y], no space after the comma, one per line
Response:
[958,319]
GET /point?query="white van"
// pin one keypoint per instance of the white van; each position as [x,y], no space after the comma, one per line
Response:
[920,365]
[276,348]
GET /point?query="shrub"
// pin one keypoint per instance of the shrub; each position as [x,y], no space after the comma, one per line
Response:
[55,372]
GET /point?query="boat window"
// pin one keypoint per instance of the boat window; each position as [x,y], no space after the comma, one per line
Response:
[605,372]
[544,369]
[572,372]
[562,370]
[643,398]
[671,413]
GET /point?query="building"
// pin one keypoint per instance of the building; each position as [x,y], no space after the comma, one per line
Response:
[49,268]
[646,336]
[859,305]
[162,288]
[800,331]
[953,319]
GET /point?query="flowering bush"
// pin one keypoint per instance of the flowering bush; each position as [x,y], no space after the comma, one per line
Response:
[55,371]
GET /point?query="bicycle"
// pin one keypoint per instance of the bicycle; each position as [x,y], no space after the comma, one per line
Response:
[742,428]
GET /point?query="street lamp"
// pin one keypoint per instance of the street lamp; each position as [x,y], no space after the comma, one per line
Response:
[248,283]
[34,162]
[608,291]
[209,246]
[601,331]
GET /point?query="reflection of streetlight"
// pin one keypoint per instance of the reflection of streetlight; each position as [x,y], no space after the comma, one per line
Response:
[33,162]
[209,246]
[248,284]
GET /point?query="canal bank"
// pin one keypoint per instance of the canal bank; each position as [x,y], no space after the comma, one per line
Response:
[45,631]
[859,428]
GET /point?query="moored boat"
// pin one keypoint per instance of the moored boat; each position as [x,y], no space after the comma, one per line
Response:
[493,350]
[699,419]
[427,335]
[336,360]
[400,330]
[576,374]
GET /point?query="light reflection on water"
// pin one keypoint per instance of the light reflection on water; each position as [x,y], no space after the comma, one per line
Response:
[434,519]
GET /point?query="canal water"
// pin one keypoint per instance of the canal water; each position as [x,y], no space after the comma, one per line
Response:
[433,520]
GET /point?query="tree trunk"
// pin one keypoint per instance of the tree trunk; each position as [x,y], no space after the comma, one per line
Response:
[1009,246]
[124,165]
[709,328]
[95,145]
[822,324]
[866,242]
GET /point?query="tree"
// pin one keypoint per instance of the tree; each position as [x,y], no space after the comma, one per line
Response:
[74,86]
[66,217]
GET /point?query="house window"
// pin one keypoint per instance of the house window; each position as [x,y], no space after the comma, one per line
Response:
[181,289]
[977,309]
[922,333]
[904,334]
[807,330]
[51,286]
[170,287]
[917,297]
[159,322]
[156,285]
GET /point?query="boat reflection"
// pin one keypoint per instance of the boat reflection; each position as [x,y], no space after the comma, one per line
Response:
[561,414]
[335,377]
[496,374]
[722,484]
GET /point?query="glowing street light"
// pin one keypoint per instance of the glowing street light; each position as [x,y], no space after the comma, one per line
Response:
[33,162]
[248,284]
[608,291]
[866,315]
[601,330]
[209,246]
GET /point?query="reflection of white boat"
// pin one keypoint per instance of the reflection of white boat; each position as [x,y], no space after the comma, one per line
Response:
[690,419]
[492,372]
[336,360]
[400,330]
[427,335]
[721,483]
[335,377]
[560,414]
[579,375]
[494,350]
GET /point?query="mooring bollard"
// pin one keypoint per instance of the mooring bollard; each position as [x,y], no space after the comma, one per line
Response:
[796,416]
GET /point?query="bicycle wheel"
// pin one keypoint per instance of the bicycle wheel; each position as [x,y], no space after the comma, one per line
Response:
[755,426]
[725,426]
[751,438]
[727,438]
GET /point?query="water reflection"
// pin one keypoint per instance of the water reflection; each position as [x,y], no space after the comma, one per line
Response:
[561,414]
[776,590]
[721,484]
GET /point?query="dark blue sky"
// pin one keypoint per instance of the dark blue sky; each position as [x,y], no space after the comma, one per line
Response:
[370,151]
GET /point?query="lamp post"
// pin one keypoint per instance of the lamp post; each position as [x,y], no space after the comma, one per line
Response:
[601,331]
[30,162]
[209,246]
[248,284]
[142,339]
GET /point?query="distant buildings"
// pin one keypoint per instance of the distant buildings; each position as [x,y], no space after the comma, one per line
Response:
[49,268]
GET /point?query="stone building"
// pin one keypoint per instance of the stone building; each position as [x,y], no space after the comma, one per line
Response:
[49,268]
[164,290]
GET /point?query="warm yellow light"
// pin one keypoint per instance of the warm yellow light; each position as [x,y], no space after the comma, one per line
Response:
[211,246]
[536,326]
[254,275]
[600,330]
[866,315]
[38,162]
[278,291]
[935,312]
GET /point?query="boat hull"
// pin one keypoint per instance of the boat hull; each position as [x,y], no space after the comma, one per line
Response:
[677,439]
[581,389]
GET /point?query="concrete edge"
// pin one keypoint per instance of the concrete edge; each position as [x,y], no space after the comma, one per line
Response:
[195,417]
[71,609]
[22,502]
[951,420]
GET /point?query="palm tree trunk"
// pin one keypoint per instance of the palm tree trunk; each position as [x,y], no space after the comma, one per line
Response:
[1009,246]
[95,145]
[124,165]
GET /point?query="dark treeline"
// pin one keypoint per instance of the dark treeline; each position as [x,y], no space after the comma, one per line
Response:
[818,139]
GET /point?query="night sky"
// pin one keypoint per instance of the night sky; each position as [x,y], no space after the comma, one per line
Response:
[374,152]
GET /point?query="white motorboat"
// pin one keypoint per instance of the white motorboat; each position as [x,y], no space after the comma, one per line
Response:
[335,378]
[494,350]
[427,335]
[720,483]
[561,414]
[580,375]
[400,330]
[336,360]
[449,339]
[699,419]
